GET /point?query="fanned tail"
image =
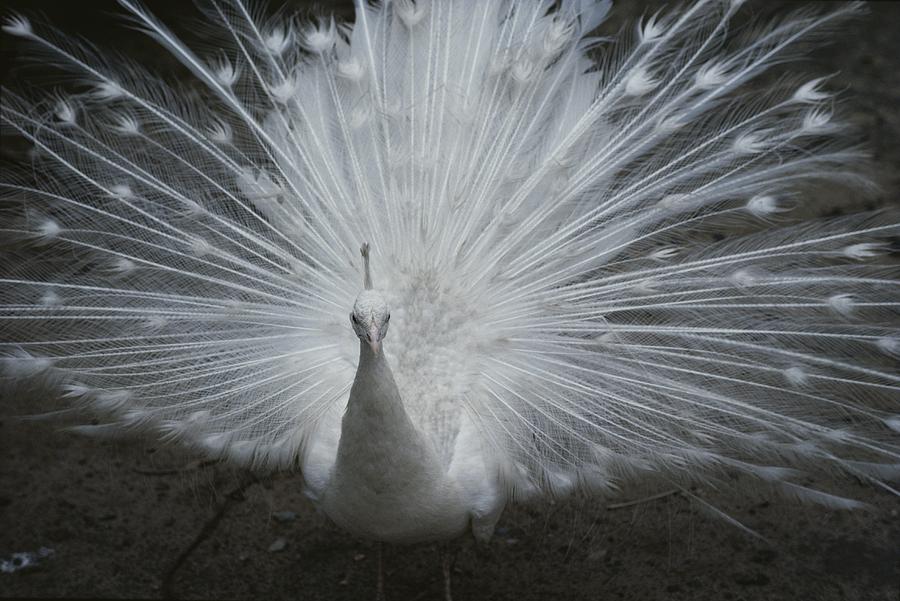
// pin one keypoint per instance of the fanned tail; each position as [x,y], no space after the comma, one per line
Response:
[537,218]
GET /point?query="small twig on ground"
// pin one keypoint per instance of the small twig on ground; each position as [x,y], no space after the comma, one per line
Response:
[232,497]
[662,495]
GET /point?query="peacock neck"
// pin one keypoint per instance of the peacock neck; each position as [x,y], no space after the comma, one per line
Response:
[376,431]
[374,388]
[387,482]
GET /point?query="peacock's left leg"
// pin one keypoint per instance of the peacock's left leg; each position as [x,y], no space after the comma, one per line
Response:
[379,593]
[448,558]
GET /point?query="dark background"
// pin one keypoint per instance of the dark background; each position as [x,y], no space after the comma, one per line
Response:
[120,515]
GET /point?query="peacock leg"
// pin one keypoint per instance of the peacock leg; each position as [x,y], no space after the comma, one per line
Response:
[379,593]
[448,558]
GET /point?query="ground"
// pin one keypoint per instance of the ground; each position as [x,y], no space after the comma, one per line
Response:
[119,517]
[136,520]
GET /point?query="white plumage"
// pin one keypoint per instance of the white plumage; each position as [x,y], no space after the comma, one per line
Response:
[557,323]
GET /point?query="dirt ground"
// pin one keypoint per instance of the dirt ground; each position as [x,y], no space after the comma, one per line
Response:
[135,520]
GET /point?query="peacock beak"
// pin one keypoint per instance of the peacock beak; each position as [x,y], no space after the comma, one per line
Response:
[374,340]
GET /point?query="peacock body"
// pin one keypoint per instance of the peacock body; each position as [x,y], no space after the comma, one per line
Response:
[186,266]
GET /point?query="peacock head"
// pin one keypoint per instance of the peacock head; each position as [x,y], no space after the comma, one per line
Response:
[370,315]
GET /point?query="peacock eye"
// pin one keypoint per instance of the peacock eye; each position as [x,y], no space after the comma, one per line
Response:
[353,318]
[388,318]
